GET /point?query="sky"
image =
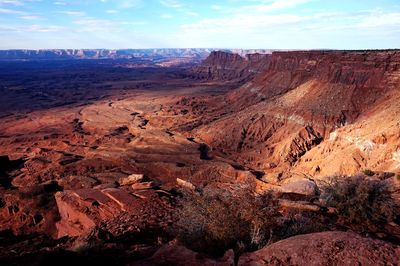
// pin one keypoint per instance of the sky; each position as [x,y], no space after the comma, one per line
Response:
[247,24]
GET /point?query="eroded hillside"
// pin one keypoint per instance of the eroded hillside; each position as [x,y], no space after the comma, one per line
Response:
[294,114]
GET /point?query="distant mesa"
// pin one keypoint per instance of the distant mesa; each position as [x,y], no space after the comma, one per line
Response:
[196,54]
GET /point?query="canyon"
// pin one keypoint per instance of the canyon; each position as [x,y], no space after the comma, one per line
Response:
[96,152]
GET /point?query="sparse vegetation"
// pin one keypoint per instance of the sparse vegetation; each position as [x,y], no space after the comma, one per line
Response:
[297,222]
[217,220]
[360,202]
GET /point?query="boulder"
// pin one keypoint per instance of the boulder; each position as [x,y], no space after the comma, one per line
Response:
[300,186]
[185,184]
[326,248]
[73,221]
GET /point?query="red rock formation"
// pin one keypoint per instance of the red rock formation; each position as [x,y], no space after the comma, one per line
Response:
[82,210]
[298,100]
[175,254]
[345,83]
[228,66]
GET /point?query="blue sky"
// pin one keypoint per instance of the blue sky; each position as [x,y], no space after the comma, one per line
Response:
[275,24]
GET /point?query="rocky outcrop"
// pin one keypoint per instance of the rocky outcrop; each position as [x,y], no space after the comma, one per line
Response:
[304,141]
[83,210]
[175,254]
[327,248]
[29,209]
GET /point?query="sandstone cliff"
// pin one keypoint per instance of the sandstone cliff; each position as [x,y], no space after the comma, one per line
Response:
[298,99]
[229,66]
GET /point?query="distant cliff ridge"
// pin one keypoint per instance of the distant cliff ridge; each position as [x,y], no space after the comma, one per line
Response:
[221,65]
[197,54]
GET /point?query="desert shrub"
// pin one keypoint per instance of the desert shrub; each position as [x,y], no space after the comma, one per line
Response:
[216,220]
[296,222]
[368,172]
[360,201]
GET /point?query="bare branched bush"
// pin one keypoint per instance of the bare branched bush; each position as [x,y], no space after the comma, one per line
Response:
[296,222]
[218,219]
[360,201]
[215,220]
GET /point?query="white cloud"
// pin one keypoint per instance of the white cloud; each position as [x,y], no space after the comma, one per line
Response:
[10,11]
[178,6]
[285,24]
[274,5]
[11,2]
[123,3]
[379,19]
[31,17]
[31,28]
[92,22]
[38,28]
[255,28]
[242,22]
[74,13]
